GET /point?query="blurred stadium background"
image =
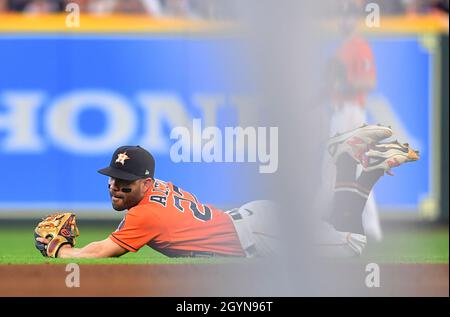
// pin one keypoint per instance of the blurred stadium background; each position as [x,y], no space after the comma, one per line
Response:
[132,70]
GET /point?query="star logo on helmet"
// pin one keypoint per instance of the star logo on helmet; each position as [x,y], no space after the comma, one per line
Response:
[121,157]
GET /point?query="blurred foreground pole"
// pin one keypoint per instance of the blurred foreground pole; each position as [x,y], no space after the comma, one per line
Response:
[286,43]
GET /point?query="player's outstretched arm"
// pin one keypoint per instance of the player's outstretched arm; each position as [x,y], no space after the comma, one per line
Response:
[99,249]
[55,237]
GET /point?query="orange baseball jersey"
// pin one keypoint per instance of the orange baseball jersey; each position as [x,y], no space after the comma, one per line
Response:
[173,222]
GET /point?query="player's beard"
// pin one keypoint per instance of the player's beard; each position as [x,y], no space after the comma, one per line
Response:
[122,202]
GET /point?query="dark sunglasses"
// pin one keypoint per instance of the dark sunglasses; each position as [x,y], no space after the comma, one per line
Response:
[123,189]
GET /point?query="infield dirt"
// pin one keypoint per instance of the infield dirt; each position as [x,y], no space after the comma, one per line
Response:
[214,280]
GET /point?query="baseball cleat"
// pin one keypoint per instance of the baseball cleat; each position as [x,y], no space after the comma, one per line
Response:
[388,155]
[357,142]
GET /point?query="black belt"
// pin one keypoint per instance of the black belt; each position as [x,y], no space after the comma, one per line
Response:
[235,214]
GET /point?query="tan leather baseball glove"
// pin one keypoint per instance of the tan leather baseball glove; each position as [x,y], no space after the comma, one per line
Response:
[60,229]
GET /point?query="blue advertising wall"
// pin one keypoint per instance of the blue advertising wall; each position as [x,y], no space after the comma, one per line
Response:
[46,164]
[116,80]
[403,99]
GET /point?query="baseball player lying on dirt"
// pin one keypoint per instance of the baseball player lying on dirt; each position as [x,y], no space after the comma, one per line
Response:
[173,221]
